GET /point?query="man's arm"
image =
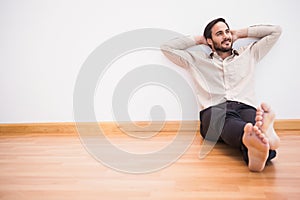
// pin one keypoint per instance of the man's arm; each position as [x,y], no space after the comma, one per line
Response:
[238,34]
[267,36]
[176,49]
[200,39]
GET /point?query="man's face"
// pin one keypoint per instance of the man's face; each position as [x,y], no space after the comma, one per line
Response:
[221,38]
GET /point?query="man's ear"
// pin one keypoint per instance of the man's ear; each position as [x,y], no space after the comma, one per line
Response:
[209,41]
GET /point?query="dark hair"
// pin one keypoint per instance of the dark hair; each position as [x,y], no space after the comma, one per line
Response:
[207,30]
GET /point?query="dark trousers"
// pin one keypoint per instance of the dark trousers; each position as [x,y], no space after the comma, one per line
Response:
[225,122]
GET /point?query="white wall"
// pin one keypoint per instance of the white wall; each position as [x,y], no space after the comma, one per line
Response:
[43,45]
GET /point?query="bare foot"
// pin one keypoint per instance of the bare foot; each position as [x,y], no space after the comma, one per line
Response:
[265,120]
[258,147]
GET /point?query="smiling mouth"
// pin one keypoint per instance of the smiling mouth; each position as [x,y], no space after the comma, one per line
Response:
[226,41]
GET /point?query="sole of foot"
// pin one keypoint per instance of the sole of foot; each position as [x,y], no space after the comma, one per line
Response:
[258,148]
[265,118]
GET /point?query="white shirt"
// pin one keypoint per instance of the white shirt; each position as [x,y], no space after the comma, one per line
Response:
[217,80]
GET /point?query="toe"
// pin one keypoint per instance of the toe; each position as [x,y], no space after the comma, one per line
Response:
[258,118]
[258,123]
[265,107]
[248,128]
[256,130]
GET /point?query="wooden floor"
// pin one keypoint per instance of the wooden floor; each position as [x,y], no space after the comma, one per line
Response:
[57,166]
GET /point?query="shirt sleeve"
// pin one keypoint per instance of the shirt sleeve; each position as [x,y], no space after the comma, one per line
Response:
[268,36]
[176,50]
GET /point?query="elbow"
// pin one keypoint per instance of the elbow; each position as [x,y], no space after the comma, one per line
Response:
[165,49]
[278,30]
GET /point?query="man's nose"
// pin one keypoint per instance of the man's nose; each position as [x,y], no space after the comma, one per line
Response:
[226,35]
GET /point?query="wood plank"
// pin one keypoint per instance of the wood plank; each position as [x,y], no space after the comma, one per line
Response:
[69,128]
[57,166]
[287,124]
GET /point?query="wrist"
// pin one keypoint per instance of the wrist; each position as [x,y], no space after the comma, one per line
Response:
[242,33]
[199,39]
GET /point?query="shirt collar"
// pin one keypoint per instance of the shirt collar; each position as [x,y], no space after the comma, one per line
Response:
[234,52]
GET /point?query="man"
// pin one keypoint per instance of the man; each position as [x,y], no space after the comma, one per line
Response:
[224,81]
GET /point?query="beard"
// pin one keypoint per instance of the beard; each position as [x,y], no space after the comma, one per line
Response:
[219,47]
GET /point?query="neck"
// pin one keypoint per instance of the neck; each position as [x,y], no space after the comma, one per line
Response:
[223,54]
